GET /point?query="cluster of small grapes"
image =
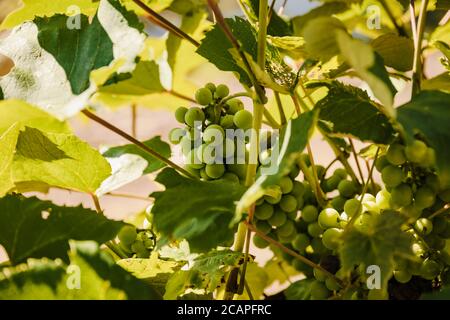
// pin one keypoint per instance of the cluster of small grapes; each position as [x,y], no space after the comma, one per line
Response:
[203,125]
[136,243]
[414,190]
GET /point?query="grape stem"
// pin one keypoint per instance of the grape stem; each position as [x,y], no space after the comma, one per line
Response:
[134,120]
[294,254]
[417,65]
[355,155]
[440,211]
[138,143]
[280,108]
[181,96]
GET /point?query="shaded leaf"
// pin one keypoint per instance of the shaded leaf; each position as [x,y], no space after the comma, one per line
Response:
[299,290]
[397,52]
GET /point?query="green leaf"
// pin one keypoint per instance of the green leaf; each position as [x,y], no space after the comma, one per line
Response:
[348,111]
[299,290]
[31,228]
[292,46]
[380,245]
[13,111]
[292,141]
[396,51]
[208,273]
[8,143]
[429,114]
[95,272]
[52,69]
[60,160]
[153,268]
[440,82]
[277,27]
[197,211]
[257,280]
[326,10]
[370,67]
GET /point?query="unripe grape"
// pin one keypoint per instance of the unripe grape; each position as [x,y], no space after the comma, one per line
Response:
[263,226]
[392,176]
[286,239]
[264,211]
[347,188]
[424,197]
[433,182]
[401,195]
[239,169]
[295,171]
[338,203]
[204,175]
[331,284]
[180,113]
[377,294]
[288,203]
[411,211]
[243,119]
[292,215]
[298,189]
[319,291]
[193,160]
[329,218]
[423,226]
[227,121]
[235,105]
[175,135]
[383,199]
[430,269]
[430,158]
[300,242]
[314,230]
[439,224]
[352,207]
[319,275]
[203,96]
[278,218]
[396,154]
[341,173]
[215,171]
[317,246]
[402,276]
[416,151]
[213,132]
[138,246]
[286,229]
[332,183]
[222,91]
[330,238]
[445,195]
[127,235]
[273,200]
[211,87]
[260,242]
[192,171]
[381,162]
[286,185]
[194,115]
[310,213]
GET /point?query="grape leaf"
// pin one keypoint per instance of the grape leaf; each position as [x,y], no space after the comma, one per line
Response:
[60,160]
[99,279]
[13,111]
[347,110]
[370,67]
[208,272]
[380,245]
[277,27]
[257,279]
[52,69]
[152,269]
[429,114]
[440,82]
[8,141]
[31,228]
[292,141]
[396,51]
[197,211]
[299,290]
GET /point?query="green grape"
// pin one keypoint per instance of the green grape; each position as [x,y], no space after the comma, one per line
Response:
[330,238]
[258,202]
[227,121]
[401,195]
[347,188]
[292,215]
[332,183]
[396,154]
[175,135]
[194,172]
[211,87]
[186,145]
[430,269]
[381,162]
[302,226]
[263,226]
[338,203]
[317,246]
[352,207]
[286,185]
[392,176]
[230,177]
[411,211]
[286,239]
[424,197]
[193,160]
[239,169]
[319,291]
[446,233]
[235,105]
[213,132]
[204,175]
[264,211]
[288,203]
[222,91]
[310,213]
[298,189]
[295,171]
[278,218]
[305,158]
[273,200]
[260,242]
[144,254]
[329,218]
[320,171]
[435,242]
[341,173]
[215,171]
[429,159]
[319,275]
[332,284]
[203,96]
[180,113]
[367,197]
[402,276]
[300,242]
[416,151]
[314,230]
[383,199]
[286,229]
[243,119]
[138,246]
[418,249]
[194,115]
[127,235]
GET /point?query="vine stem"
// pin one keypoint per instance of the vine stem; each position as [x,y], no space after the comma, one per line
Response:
[96,201]
[138,143]
[134,120]
[440,211]
[166,24]
[355,155]
[129,196]
[280,108]
[417,65]
[294,254]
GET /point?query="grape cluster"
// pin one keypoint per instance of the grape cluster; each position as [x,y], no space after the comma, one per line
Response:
[136,243]
[210,153]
